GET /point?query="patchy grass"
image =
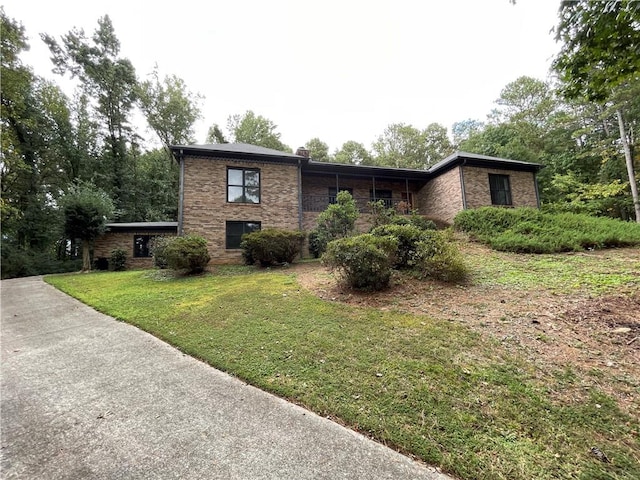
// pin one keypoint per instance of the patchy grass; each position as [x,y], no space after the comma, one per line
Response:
[593,273]
[431,388]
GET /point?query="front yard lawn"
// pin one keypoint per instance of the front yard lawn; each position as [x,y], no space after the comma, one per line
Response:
[424,368]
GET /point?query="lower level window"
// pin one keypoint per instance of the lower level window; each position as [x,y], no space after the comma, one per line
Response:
[235,231]
[141,246]
[500,189]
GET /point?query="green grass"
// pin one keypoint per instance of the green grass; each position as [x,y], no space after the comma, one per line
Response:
[430,388]
[589,273]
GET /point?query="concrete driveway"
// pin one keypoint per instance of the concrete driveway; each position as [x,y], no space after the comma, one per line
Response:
[84,396]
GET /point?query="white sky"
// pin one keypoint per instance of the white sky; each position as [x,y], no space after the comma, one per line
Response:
[338,70]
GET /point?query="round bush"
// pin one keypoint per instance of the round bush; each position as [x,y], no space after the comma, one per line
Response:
[436,257]
[188,254]
[118,259]
[364,261]
[407,237]
[158,248]
[271,246]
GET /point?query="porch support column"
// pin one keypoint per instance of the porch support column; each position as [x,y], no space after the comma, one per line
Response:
[374,188]
[406,187]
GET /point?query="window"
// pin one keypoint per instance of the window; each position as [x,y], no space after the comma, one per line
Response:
[385,195]
[500,189]
[243,185]
[141,246]
[235,230]
[333,191]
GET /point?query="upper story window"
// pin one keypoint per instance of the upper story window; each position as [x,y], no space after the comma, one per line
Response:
[243,185]
[500,187]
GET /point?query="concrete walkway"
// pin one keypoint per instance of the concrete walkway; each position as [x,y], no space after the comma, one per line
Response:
[85,396]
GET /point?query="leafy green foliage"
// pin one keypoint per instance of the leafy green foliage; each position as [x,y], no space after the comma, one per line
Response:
[405,146]
[529,230]
[338,220]
[407,238]
[353,153]
[436,256]
[170,109]
[255,130]
[118,259]
[18,262]
[429,253]
[318,240]
[271,246]
[365,262]
[86,210]
[188,254]
[111,81]
[599,46]
[158,249]
[318,150]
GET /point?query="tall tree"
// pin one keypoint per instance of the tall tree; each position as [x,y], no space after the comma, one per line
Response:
[215,135]
[170,108]
[405,146]
[86,210]
[255,130]
[111,81]
[31,150]
[318,150]
[599,57]
[353,153]
[464,129]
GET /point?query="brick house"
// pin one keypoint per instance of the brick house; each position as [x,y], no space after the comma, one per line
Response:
[227,190]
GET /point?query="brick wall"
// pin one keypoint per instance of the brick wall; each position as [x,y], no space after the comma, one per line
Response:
[206,210]
[441,198]
[103,246]
[478,194]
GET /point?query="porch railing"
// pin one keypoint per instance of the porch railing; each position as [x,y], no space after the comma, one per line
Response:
[318,203]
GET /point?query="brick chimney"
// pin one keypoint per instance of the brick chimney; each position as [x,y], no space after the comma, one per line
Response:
[303,152]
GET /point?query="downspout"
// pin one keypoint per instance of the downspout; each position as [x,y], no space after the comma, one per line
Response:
[464,193]
[406,187]
[300,203]
[300,194]
[181,194]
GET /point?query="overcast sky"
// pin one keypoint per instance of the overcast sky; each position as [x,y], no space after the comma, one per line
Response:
[338,70]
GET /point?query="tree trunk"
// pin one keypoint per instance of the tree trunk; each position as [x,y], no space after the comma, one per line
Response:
[629,160]
[86,257]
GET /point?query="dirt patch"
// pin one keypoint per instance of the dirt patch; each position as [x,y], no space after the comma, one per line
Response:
[593,338]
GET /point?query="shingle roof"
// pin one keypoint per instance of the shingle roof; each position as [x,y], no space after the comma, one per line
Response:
[459,157]
[144,225]
[234,148]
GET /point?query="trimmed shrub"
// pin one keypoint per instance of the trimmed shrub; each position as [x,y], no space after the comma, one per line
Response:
[528,230]
[271,246]
[188,254]
[364,261]
[118,260]
[407,237]
[421,222]
[158,248]
[318,240]
[437,257]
